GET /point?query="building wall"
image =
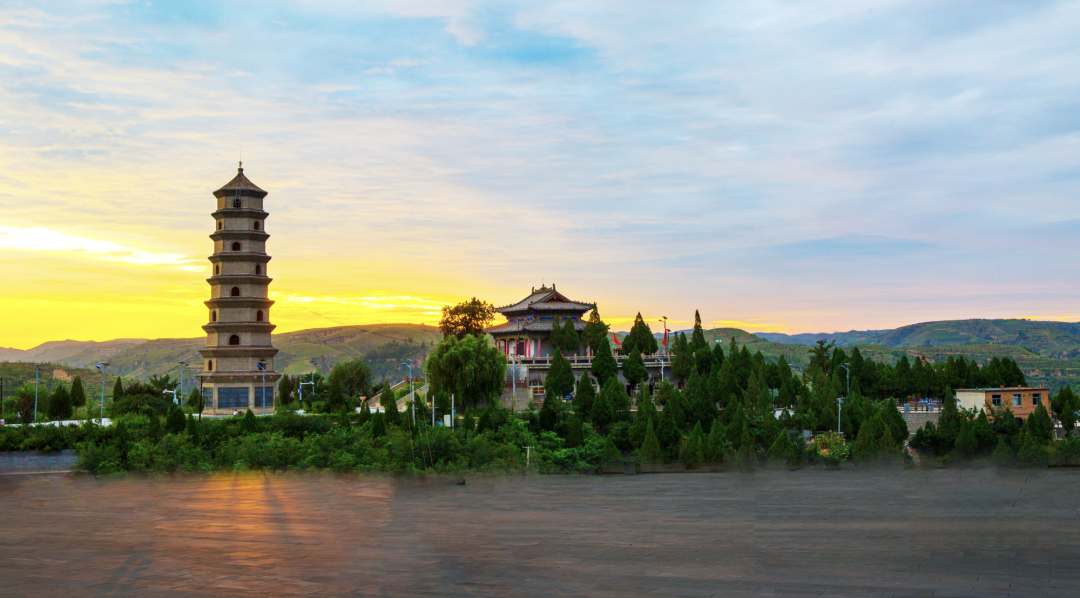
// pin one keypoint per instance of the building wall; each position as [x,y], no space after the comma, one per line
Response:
[992,398]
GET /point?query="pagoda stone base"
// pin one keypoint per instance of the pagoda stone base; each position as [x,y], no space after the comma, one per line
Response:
[226,393]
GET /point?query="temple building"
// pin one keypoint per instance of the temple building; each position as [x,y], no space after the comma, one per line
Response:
[528,324]
[238,361]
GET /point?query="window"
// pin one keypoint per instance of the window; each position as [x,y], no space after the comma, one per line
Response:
[996,400]
[269,396]
[1035,396]
[255,225]
[1017,400]
[236,247]
[258,316]
[234,340]
[208,398]
[213,316]
[258,270]
[236,203]
[217,270]
[210,365]
[232,398]
[235,292]
[219,225]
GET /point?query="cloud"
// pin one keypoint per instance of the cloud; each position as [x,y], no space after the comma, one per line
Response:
[43,239]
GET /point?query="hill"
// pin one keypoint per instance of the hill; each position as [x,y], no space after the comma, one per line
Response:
[383,346]
[1058,340]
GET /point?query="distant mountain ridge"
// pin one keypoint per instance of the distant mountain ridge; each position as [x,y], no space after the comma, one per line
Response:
[1059,340]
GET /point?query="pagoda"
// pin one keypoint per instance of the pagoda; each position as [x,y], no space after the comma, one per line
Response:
[527,330]
[238,361]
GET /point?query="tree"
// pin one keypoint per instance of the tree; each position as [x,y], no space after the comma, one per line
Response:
[693,448]
[633,368]
[78,394]
[60,404]
[117,390]
[595,332]
[668,435]
[24,403]
[966,442]
[682,358]
[470,368]
[467,318]
[560,377]
[563,336]
[604,365]
[603,412]
[335,398]
[1039,426]
[550,410]
[353,379]
[640,338]
[714,446]
[782,449]
[174,424]
[697,340]
[195,402]
[650,447]
[584,397]
[388,401]
[1065,404]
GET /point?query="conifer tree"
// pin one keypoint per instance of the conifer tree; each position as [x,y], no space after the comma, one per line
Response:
[682,358]
[1039,426]
[1003,454]
[174,424]
[782,449]
[714,448]
[646,412]
[365,413]
[693,448]
[668,435]
[560,377]
[697,337]
[378,425]
[549,411]
[604,365]
[603,412]
[1065,404]
[747,451]
[595,332]
[118,389]
[388,401]
[468,423]
[734,428]
[78,394]
[634,369]
[984,434]
[153,431]
[190,426]
[584,397]
[195,402]
[640,338]
[59,406]
[650,448]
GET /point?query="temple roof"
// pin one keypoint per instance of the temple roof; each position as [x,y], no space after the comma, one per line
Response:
[544,299]
[241,183]
[530,326]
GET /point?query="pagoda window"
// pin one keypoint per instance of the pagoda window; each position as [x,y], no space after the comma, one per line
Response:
[217,270]
[259,316]
[255,225]
[235,292]
[219,225]
[210,365]
[236,203]
[213,316]
[236,247]
[258,270]
[234,340]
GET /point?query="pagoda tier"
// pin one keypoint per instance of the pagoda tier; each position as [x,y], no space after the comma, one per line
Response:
[238,361]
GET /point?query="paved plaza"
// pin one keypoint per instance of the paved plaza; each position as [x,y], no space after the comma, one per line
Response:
[954,532]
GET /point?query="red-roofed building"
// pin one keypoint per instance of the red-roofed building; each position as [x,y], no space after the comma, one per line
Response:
[527,330]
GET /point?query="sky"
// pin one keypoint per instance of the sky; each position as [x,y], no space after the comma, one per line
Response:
[803,166]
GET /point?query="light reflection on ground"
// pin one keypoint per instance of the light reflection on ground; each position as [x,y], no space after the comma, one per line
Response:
[848,533]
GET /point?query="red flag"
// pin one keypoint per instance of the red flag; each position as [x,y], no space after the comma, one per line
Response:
[616,339]
[665,337]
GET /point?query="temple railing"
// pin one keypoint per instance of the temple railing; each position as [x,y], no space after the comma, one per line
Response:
[652,360]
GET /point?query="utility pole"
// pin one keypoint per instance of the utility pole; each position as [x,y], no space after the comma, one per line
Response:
[262,366]
[412,397]
[37,376]
[102,366]
[528,455]
[453,414]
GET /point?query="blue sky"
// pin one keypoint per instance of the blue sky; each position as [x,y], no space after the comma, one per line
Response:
[794,166]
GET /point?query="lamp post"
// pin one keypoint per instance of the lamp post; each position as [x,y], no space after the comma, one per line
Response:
[102,366]
[170,392]
[847,369]
[183,364]
[37,376]
[661,360]
[262,366]
[839,408]
[663,320]
[412,399]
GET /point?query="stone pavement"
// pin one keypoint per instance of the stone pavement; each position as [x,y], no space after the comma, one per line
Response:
[803,533]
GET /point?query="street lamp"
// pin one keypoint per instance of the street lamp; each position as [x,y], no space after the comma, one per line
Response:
[408,364]
[37,376]
[170,392]
[663,320]
[661,360]
[262,366]
[848,370]
[839,407]
[102,367]
[183,364]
